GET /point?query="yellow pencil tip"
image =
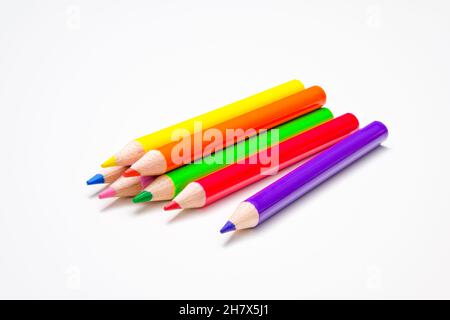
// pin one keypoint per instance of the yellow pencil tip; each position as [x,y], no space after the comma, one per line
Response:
[111,162]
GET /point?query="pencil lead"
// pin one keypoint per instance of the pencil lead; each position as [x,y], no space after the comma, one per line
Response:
[107,193]
[143,196]
[131,173]
[97,179]
[229,226]
[111,162]
[172,205]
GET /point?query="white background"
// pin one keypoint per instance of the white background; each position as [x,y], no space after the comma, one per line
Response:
[79,79]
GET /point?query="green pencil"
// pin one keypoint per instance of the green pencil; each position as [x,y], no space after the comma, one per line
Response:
[168,185]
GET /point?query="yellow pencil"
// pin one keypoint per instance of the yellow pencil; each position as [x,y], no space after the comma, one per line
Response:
[138,147]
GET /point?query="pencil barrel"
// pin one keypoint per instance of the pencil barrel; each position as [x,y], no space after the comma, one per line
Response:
[246,125]
[289,188]
[239,175]
[210,119]
[184,175]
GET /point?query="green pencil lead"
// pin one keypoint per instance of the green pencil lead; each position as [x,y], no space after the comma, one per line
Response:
[144,196]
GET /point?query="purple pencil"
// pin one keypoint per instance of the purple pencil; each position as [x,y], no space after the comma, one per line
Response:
[270,200]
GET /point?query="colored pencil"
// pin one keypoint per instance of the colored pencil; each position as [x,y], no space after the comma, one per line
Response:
[280,194]
[107,175]
[126,187]
[219,184]
[170,184]
[160,160]
[137,148]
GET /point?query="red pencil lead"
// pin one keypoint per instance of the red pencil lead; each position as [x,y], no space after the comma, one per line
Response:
[131,173]
[172,205]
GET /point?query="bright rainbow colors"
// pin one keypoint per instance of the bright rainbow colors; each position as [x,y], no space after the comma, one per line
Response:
[227,149]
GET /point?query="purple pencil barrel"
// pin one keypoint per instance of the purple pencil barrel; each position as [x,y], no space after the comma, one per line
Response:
[295,184]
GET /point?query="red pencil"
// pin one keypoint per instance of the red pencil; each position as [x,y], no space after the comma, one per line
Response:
[219,184]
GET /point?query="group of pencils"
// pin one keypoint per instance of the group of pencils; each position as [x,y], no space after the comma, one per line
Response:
[271,131]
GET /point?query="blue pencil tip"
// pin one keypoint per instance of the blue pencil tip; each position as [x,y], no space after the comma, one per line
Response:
[97,179]
[229,226]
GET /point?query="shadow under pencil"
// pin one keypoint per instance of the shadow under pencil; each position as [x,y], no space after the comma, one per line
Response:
[243,234]
[185,214]
[117,203]
[145,207]
[98,191]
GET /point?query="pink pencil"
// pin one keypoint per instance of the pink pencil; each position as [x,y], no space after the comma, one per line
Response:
[126,187]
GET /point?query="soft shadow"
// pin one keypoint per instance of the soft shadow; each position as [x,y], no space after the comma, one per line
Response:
[145,207]
[191,213]
[184,214]
[97,192]
[238,235]
[311,195]
[116,203]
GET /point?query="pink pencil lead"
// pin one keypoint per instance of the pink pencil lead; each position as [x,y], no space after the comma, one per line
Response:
[107,193]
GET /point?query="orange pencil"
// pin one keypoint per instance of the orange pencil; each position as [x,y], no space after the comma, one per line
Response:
[161,160]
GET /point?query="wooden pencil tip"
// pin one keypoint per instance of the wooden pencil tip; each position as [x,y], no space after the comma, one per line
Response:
[97,179]
[172,205]
[107,193]
[111,162]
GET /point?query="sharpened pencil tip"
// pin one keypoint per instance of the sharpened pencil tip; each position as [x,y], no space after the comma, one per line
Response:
[97,179]
[131,173]
[107,193]
[143,196]
[172,205]
[229,226]
[111,162]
